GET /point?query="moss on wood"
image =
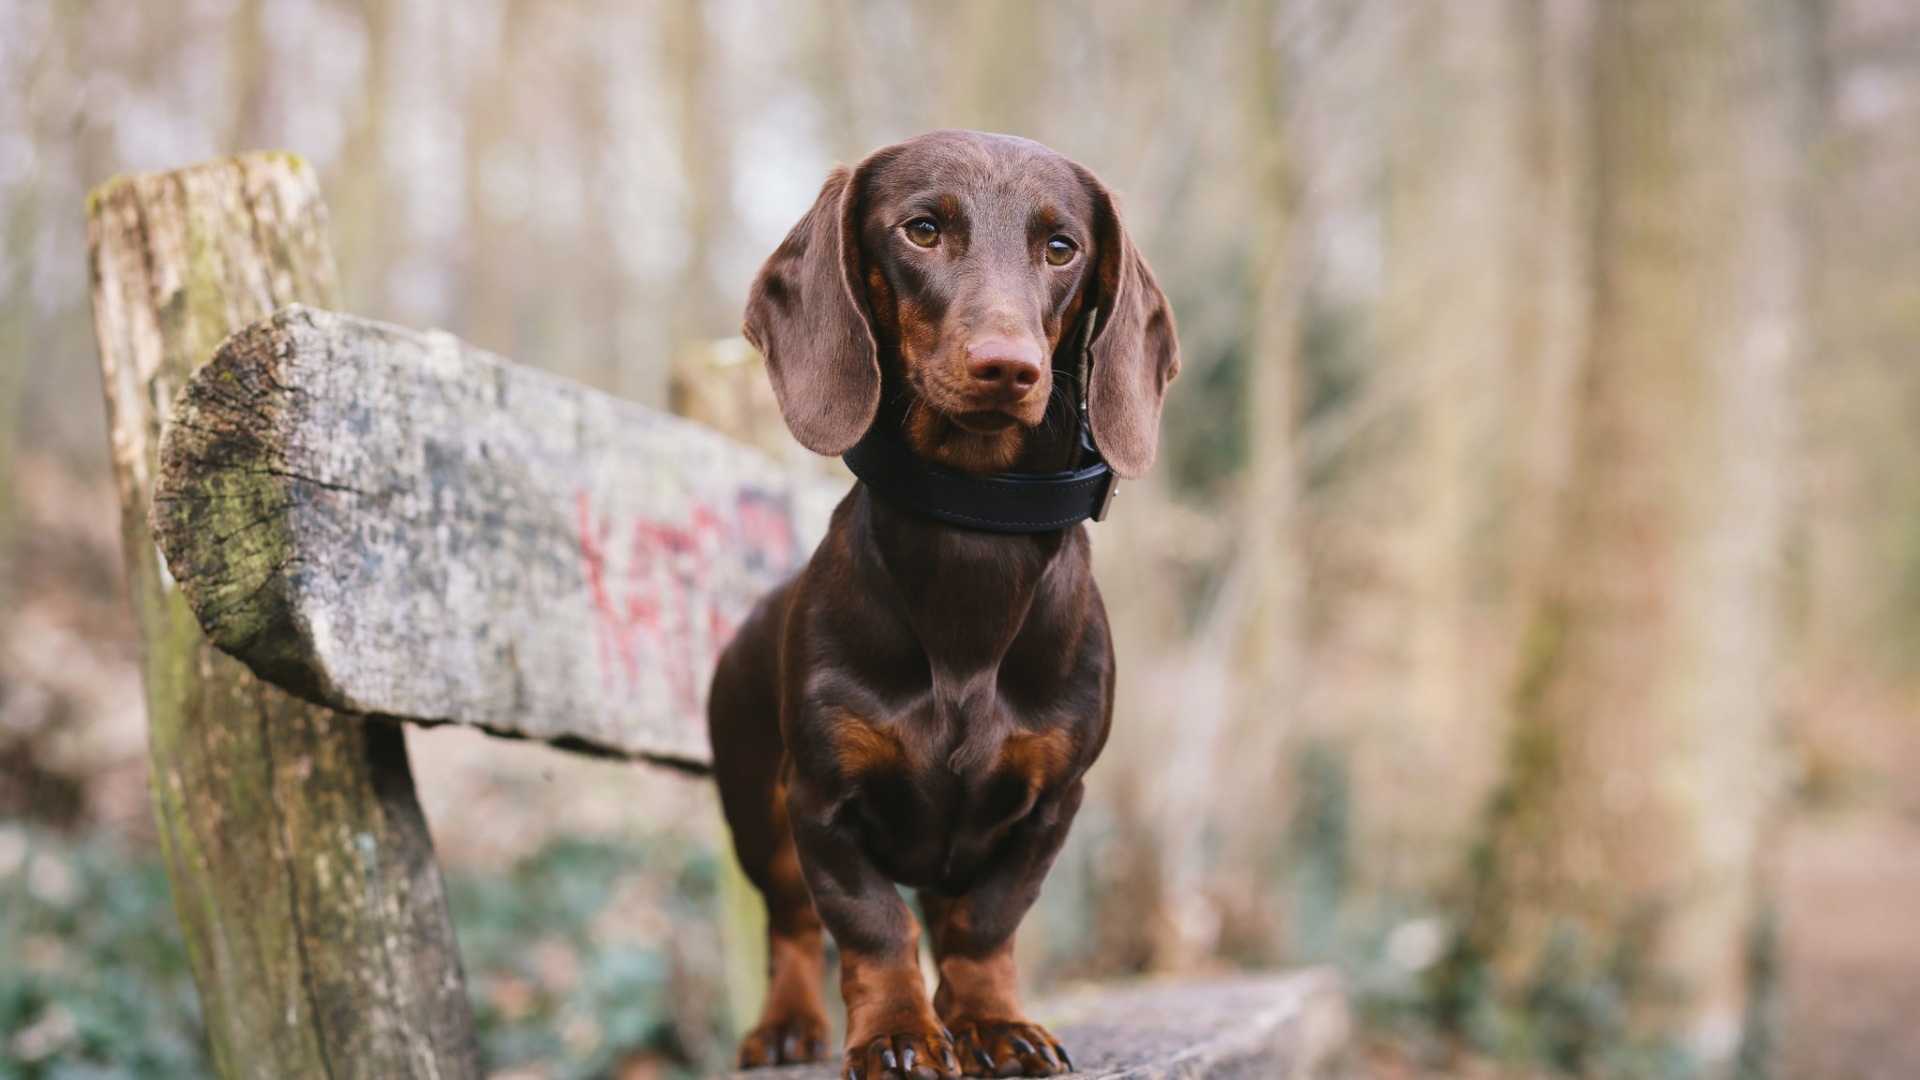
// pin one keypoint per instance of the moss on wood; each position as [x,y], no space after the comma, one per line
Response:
[300,865]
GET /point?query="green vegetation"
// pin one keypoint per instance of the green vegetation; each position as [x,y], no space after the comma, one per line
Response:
[95,981]
[578,959]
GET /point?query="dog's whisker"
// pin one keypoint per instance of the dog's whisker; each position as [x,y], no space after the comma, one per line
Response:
[1062,417]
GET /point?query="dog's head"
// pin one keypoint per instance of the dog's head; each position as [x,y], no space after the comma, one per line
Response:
[967,260]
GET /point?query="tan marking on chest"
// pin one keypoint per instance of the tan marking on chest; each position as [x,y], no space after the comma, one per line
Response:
[861,748]
[1043,757]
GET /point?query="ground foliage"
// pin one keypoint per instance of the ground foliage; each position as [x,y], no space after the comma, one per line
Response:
[96,985]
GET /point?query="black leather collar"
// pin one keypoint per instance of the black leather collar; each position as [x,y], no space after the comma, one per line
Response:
[999,502]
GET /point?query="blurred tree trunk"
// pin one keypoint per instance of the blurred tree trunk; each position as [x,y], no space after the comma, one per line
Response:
[1483,328]
[1344,501]
[362,193]
[704,169]
[251,56]
[1424,758]
[1551,240]
[1262,611]
[1622,850]
[591,323]
[495,262]
[1863,396]
[21,219]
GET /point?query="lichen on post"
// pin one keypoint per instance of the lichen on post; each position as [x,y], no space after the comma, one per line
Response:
[301,868]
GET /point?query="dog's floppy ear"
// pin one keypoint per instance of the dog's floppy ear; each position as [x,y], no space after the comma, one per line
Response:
[807,318]
[1135,350]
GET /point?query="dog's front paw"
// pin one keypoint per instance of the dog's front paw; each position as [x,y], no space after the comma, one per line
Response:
[926,1054]
[787,1040]
[1009,1048]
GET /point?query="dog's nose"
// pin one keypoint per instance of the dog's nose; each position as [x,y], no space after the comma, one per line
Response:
[1005,365]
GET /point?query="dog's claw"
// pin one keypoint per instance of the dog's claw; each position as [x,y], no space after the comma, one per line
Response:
[785,1041]
[909,1055]
[1009,1048]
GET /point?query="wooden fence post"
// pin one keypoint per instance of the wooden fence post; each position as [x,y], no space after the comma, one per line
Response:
[301,866]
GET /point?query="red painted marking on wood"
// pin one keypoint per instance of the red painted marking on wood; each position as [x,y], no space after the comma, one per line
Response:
[618,627]
[677,593]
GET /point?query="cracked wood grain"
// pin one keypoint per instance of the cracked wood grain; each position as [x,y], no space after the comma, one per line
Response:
[396,523]
[300,865]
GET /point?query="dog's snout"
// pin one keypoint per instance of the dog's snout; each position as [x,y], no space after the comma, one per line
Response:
[1004,365]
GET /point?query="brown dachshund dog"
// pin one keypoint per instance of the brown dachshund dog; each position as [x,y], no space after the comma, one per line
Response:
[919,705]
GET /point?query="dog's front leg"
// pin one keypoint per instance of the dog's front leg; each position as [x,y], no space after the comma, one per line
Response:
[892,1030]
[972,935]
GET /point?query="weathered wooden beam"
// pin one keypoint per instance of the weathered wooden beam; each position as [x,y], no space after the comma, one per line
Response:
[302,872]
[1293,1026]
[396,523]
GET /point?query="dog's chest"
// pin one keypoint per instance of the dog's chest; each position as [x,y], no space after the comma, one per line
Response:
[933,821]
[971,766]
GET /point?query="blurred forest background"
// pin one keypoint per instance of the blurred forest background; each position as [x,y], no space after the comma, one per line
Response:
[1525,614]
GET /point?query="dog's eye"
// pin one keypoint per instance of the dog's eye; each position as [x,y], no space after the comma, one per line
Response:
[1060,251]
[923,232]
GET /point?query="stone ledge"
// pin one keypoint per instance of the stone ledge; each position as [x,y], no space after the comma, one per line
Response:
[1292,1026]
